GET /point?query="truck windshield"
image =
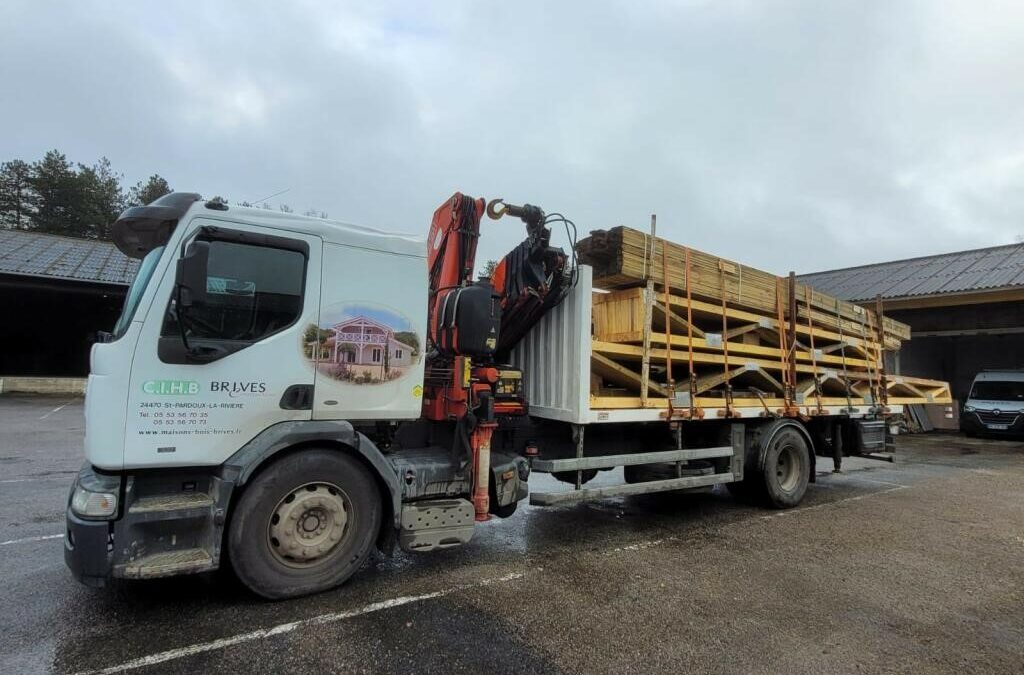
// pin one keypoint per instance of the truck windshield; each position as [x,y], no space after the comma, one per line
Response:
[991,390]
[138,287]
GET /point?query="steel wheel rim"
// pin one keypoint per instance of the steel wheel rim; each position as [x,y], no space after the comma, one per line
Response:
[787,468]
[308,524]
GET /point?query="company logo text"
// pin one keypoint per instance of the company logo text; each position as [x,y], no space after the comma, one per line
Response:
[170,387]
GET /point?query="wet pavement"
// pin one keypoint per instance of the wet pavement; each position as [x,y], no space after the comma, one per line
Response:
[914,567]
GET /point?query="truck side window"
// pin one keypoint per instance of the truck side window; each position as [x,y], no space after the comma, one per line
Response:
[252,292]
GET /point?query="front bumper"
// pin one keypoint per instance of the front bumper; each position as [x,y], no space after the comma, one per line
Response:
[89,549]
[167,523]
[89,542]
[971,422]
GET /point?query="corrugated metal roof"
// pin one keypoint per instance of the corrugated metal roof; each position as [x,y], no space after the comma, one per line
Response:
[948,273]
[55,257]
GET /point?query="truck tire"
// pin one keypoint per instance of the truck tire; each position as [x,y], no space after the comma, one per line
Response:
[787,468]
[305,524]
[782,482]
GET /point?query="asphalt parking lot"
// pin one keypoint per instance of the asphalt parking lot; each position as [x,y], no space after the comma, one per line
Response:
[914,567]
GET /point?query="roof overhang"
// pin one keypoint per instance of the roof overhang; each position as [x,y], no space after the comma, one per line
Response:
[1004,294]
[23,282]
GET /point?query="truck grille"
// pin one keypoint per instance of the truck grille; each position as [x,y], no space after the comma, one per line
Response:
[990,417]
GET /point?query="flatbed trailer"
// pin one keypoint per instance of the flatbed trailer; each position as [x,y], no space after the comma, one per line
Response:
[715,353]
[582,373]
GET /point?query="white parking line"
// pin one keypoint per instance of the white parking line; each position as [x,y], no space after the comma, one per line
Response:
[639,546]
[283,628]
[37,478]
[57,409]
[793,512]
[880,482]
[28,539]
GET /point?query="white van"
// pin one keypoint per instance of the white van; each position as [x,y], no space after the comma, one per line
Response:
[995,404]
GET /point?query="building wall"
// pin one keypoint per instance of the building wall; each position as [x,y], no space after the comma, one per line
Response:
[956,359]
[46,326]
[962,317]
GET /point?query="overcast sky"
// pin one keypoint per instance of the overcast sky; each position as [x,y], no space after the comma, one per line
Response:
[789,135]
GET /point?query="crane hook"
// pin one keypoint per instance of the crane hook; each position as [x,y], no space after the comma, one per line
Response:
[496,209]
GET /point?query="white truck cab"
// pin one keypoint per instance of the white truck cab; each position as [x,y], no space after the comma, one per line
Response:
[995,404]
[264,332]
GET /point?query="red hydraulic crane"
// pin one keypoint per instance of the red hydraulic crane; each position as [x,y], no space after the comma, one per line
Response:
[472,326]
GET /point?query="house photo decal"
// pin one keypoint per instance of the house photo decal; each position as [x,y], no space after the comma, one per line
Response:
[364,346]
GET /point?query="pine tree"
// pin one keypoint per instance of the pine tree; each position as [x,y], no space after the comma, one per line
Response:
[148,191]
[101,198]
[488,271]
[55,185]
[16,195]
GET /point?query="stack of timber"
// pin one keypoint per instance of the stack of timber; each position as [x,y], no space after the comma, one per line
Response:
[683,328]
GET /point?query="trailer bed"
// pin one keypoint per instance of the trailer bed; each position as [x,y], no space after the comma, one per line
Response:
[606,336]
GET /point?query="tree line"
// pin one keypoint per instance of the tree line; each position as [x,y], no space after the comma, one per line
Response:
[57,196]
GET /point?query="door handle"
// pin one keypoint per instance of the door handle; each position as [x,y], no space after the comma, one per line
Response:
[297,397]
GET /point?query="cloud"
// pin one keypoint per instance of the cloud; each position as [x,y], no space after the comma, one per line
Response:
[790,135]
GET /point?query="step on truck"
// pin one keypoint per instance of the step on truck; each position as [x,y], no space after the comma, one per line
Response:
[289,393]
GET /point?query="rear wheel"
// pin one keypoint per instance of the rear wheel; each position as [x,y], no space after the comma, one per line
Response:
[787,468]
[305,524]
[782,482]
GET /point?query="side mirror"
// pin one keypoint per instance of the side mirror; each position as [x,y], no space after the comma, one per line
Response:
[191,274]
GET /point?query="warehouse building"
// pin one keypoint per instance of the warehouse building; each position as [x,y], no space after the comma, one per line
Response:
[55,294]
[964,309]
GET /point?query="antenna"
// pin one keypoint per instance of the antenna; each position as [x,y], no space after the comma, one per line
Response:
[276,194]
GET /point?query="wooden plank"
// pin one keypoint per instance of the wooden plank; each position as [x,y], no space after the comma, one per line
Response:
[709,404]
[645,364]
[619,318]
[707,382]
[620,257]
[736,347]
[619,374]
[740,330]
[636,351]
[741,321]
[677,321]
[771,380]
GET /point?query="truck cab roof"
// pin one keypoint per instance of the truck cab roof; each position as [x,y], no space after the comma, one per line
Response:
[140,229]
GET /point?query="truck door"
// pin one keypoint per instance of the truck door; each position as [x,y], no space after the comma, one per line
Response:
[212,371]
[372,334]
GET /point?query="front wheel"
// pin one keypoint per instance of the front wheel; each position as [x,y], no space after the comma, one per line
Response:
[305,524]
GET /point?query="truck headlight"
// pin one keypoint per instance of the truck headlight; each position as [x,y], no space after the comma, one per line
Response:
[90,504]
[94,494]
